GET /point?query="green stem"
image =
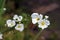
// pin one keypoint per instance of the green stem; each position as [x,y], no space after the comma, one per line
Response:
[2,6]
[35,38]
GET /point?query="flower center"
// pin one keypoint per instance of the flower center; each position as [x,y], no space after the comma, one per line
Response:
[12,24]
[16,19]
[19,26]
[37,19]
[43,23]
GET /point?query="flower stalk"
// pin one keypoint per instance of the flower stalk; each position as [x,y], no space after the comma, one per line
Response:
[35,38]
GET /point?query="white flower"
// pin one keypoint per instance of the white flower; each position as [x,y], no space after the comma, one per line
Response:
[4,9]
[19,27]
[43,23]
[20,18]
[1,36]
[36,17]
[46,17]
[17,18]
[10,23]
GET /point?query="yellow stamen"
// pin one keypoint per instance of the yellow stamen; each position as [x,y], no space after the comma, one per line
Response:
[19,26]
[12,24]
[37,19]
[43,23]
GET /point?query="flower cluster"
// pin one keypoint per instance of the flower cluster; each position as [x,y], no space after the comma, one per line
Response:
[16,22]
[42,22]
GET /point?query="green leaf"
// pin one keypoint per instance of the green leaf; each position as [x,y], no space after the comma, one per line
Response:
[2,3]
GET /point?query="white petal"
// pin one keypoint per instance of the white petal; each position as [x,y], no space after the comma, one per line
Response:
[41,16]
[13,22]
[1,36]
[8,21]
[21,27]
[34,21]
[34,15]
[20,18]
[47,22]
[4,9]
[46,16]
[43,27]
[16,18]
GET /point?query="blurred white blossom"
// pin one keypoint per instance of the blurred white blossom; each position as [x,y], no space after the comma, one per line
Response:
[20,18]
[10,23]
[46,17]
[1,36]
[36,17]
[17,18]
[4,9]
[43,23]
[19,27]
